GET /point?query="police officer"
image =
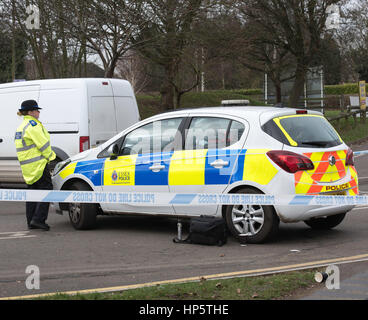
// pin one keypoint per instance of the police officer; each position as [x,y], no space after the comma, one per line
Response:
[34,152]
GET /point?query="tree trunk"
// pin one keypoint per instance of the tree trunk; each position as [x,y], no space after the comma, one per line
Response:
[298,87]
[275,78]
[110,71]
[278,92]
[167,88]
[167,96]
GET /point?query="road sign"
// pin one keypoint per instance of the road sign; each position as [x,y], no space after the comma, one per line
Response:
[362,96]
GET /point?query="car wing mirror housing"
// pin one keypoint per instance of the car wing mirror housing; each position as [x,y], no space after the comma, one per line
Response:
[113,151]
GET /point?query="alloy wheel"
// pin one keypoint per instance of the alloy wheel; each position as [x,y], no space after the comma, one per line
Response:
[248,219]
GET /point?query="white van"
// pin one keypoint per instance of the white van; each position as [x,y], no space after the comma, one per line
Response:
[78,113]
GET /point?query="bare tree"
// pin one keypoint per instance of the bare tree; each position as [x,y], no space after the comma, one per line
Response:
[234,39]
[188,75]
[106,28]
[352,37]
[295,26]
[168,31]
[260,53]
[54,51]
[13,46]
[132,68]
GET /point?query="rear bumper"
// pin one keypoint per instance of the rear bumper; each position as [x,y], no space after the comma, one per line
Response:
[302,213]
[295,213]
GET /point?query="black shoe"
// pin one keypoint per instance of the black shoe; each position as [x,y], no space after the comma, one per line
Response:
[31,227]
[40,225]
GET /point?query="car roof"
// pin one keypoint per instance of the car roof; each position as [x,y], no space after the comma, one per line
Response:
[264,113]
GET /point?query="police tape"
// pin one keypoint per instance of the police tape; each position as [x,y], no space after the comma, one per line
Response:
[360,153]
[182,199]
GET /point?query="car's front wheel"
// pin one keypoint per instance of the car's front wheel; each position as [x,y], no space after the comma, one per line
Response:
[82,216]
[326,223]
[251,223]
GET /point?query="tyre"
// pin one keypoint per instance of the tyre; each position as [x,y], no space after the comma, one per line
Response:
[251,223]
[326,223]
[83,216]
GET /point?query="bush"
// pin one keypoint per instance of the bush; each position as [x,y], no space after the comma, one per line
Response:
[249,92]
[212,98]
[149,104]
[347,88]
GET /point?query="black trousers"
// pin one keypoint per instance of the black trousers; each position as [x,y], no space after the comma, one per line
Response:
[39,211]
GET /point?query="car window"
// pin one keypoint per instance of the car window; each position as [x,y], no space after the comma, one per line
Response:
[235,133]
[212,133]
[305,131]
[157,136]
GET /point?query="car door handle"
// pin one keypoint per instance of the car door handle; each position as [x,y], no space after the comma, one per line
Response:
[157,167]
[218,164]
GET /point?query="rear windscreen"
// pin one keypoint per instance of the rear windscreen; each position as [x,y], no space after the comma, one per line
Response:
[303,131]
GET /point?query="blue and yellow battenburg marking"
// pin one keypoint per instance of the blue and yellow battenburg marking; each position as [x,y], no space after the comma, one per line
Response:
[185,167]
[195,167]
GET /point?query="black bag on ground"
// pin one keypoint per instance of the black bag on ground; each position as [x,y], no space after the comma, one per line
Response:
[206,230]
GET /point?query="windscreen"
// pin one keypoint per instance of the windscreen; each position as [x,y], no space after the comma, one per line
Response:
[305,131]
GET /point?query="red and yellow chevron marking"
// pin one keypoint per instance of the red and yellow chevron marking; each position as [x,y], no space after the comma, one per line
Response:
[308,182]
[354,182]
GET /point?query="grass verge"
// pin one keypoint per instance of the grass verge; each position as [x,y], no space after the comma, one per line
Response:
[268,287]
[351,131]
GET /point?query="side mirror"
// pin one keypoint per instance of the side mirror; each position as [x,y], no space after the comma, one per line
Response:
[113,151]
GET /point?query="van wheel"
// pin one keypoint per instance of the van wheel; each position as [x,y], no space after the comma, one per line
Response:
[326,223]
[252,223]
[83,216]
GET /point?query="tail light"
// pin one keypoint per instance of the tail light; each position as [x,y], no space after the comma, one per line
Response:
[83,144]
[349,158]
[289,161]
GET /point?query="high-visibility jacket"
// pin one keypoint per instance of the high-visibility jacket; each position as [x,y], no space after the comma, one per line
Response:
[32,142]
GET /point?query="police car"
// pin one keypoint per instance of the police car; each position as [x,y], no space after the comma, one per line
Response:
[250,150]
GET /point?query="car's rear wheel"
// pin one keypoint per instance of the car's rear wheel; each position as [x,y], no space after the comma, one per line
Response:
[326,223]
[251,223]
[83,216]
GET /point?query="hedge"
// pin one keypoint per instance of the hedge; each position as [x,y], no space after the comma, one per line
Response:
[347,88]
[338,89]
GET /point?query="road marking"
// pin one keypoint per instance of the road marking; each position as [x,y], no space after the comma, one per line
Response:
[22,237]
[15,235]
[245,273]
